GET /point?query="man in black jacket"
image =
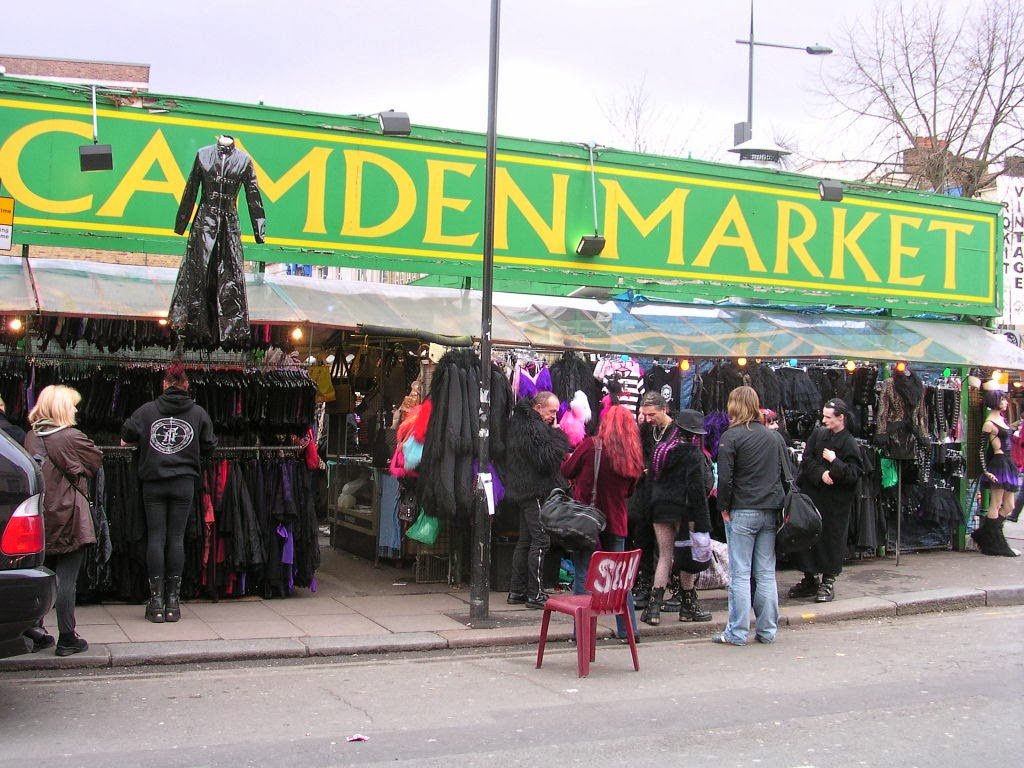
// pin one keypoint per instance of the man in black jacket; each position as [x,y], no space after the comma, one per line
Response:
[534,451]
[16,432]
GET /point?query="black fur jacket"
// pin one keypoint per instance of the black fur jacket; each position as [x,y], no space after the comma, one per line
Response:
[533,455]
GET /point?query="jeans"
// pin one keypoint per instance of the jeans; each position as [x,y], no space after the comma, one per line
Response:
[751,537]
[528,556]
[580,566]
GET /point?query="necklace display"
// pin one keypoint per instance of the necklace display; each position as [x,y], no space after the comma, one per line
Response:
[658,435]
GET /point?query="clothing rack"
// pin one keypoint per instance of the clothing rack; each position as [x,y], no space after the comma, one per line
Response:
[225,452]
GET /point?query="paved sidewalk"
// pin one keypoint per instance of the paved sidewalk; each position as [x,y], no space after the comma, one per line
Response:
[360,609]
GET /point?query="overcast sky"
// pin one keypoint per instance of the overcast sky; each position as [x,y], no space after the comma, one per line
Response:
[565,64]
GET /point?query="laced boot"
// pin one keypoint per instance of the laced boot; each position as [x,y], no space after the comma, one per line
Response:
[155,607]
[690,608]
[652,613]
[806,587]
[641,592]
[173,612]
[674,600]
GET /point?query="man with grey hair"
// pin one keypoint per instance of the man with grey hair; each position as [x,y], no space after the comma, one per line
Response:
[534,451]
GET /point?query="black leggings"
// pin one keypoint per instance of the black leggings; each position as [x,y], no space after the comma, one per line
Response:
[168,503]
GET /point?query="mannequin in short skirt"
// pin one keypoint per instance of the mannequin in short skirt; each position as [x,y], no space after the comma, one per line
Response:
[999,477]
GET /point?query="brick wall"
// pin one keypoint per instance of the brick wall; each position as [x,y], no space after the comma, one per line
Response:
[75,70]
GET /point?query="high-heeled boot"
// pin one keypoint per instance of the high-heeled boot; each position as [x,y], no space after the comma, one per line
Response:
[155,609]
[173,612]
[652,613]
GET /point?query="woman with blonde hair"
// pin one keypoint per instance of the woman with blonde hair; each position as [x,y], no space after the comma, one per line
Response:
[622,465]
[69,459]
[750,496]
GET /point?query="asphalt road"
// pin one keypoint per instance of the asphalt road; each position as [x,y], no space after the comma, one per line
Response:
[932,690]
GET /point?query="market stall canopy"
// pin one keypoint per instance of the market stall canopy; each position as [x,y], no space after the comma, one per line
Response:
[90,289]
[16,294]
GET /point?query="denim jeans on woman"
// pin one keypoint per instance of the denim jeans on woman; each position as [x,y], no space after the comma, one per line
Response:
[580,566]
[751,537]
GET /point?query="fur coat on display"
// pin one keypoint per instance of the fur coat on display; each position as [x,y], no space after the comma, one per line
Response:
[445,486]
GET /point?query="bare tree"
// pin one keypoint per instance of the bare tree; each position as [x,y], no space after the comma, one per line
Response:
[633,117]
[944,95]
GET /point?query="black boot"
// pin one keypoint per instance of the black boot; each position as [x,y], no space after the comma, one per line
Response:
[826,590]
[689,607]
[652,613]
[1002,547]
[806,587]
[155,606]
[641,592]
[674,600]
[990,538]
[173,608]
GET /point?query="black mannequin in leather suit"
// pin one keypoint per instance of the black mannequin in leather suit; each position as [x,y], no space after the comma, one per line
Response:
[209,306]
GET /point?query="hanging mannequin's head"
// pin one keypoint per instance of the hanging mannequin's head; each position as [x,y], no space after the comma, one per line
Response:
[226,141]
[174,376]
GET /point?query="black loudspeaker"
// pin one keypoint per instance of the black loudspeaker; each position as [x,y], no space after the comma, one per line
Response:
[96,157]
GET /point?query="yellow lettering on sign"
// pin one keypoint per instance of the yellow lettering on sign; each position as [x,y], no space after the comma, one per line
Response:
[731,218]
[950,230]
[507,191]
[314,165]
[796,243]
[898,251]
[355,161]
[437,202]
[134,180]
[843,241]
[672,207]
[10,158]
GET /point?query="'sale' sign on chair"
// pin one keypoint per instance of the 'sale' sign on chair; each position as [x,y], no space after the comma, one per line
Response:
[609,579]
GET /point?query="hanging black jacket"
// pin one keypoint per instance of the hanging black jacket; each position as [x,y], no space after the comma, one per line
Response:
[534,452]
[209,305]
[173,435]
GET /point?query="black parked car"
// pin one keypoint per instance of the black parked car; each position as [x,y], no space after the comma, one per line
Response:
[26,587]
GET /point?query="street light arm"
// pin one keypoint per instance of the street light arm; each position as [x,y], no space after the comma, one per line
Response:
[813,50]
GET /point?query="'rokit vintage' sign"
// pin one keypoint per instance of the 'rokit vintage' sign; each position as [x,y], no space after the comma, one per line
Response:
[338,193]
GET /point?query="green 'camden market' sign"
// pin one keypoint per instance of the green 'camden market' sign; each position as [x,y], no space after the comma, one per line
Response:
[337,193]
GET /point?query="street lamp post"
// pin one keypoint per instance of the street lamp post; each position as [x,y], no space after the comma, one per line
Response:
[743,131]
[479,587]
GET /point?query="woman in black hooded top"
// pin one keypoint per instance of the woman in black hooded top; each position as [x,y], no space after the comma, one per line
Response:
[173,435]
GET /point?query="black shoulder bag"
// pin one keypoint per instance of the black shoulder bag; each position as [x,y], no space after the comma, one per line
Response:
[572,524]
[801,520]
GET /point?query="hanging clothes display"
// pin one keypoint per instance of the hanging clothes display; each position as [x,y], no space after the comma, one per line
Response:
[209,308]
[902,424]
[627,375]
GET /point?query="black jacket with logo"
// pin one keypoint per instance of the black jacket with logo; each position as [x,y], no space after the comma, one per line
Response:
[173,434]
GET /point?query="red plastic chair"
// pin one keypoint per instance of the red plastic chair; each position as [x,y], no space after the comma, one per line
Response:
[609,579]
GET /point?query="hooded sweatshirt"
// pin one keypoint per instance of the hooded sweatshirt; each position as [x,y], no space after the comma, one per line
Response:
[173,435]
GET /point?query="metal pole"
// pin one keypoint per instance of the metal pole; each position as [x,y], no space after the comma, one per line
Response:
[95,123]
[479,587]
[750,75]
